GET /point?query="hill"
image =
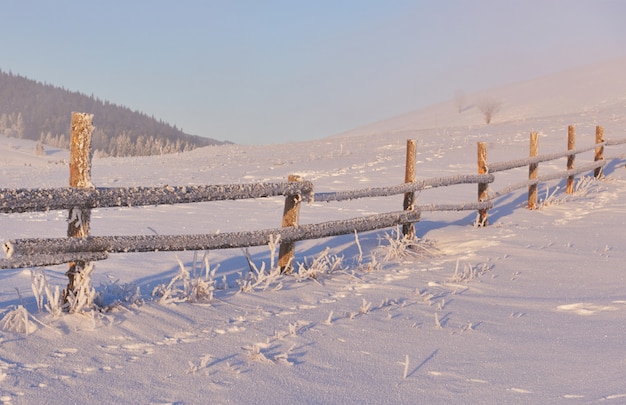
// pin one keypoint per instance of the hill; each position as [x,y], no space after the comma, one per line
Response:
[42,112]
[587,90]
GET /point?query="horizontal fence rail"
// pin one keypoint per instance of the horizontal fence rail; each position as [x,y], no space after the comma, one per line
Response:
[404,188]
[614,142]
[164,243]
[41,260]
[552,176]
[51,251]
[29,200]
[514,164]
[484,205]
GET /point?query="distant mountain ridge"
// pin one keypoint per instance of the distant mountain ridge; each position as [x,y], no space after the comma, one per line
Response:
[42,112]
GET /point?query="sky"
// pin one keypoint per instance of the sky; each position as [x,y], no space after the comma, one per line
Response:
[275,71]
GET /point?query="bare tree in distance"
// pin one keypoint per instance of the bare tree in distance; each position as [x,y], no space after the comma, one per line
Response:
[489,107]
[460,100]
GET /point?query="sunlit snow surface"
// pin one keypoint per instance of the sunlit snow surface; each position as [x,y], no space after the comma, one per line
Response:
[531,309]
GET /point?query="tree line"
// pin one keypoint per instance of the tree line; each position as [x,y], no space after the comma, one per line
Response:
[42,112]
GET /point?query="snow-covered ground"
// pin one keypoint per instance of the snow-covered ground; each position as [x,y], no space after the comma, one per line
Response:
[531,309]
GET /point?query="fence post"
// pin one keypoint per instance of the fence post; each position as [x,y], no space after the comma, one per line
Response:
[533,171]
[571,145]
[291,214]
[408,230]
[599,155]
[78,218]
[482,187]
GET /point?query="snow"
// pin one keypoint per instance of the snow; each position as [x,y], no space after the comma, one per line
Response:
[530,309]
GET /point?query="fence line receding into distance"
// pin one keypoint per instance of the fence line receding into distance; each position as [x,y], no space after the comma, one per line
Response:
[79,248]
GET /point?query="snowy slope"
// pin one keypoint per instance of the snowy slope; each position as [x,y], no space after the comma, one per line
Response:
[531,309]
[584,93]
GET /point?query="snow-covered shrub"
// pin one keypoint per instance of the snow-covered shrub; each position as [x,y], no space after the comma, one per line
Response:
[468,272]
[43,292]
[113,295]
[255,354]
[399,247]
[17,320]
[259,279]
[582,187]
[550,198]
[324,263]
[185,286]
[365,307]
[82,297]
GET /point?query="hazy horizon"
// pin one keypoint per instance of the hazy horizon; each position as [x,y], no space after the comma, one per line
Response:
[272,72]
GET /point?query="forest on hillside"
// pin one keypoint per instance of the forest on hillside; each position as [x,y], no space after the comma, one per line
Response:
[42,112]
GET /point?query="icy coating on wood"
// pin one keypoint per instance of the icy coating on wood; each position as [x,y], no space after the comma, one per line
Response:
[552,176]
[40,260]
[28,200]
[611,142]
[151,243]
[405,187]
[483,205]
[513,164]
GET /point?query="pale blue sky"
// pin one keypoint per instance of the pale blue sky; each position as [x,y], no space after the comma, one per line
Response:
[272,71]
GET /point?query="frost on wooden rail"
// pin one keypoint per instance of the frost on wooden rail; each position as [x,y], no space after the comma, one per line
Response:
[29,200]
[19,249]
[404,187]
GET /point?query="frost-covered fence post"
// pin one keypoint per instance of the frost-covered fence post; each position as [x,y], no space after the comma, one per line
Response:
[408,230]
[571,145]
[482,187]
[80,177]
[533,172]
[599,152]
[291,214]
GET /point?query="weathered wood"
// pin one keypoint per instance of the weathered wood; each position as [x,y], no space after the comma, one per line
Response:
[37,200]
[513,164]
[291,215]
[408,230]
[80,177]
[614,142]
[228,240]
[404,187]
[41,260]
[571,145]
[482,187]
[533,171]
[486,205]
[599,152]
[552,176]
[33,200]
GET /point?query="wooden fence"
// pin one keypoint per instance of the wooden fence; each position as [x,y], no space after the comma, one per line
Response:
[78,248]
[599,162]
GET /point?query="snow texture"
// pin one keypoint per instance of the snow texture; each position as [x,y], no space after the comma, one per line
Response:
[528,310]
[25,200]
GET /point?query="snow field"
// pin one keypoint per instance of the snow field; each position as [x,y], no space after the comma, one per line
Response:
[530,309]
